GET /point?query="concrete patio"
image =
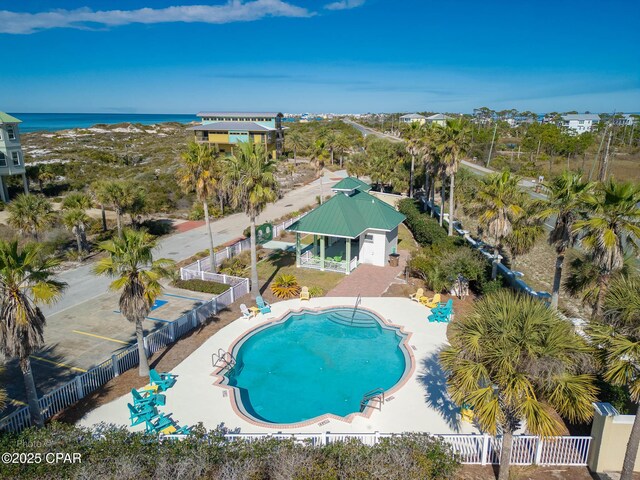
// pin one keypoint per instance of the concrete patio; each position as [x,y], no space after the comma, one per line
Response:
[420,404]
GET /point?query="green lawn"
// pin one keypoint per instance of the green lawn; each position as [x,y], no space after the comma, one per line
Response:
[405,239]
[285,262]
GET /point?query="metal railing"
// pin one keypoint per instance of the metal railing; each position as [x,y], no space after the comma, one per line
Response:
[375,395]
[85,383]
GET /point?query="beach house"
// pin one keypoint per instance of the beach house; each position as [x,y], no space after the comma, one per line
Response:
[351,228]
[438,119]
[579,123]
[11,157]
[413,118]
[228,129]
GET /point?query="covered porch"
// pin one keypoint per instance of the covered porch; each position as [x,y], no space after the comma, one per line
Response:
[327,252]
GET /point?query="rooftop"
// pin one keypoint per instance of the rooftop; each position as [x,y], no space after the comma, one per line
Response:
[413,115]
[6,118]
[439,116]
[351,183]
[238,114]
[239,126]
[348,216]
[581,116]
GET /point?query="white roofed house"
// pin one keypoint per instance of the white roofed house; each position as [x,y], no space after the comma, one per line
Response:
[624,120]
[439,119]
[578,123]
[413,118]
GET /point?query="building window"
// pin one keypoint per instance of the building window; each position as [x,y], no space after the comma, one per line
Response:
[368,238]
[3,160]
[11,134]
[16,158]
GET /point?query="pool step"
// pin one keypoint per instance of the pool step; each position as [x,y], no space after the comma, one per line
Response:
[361,321]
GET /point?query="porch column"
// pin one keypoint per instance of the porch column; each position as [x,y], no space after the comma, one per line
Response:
[347,246]
[322,252]
[25,183]
[315,245]
[297,249]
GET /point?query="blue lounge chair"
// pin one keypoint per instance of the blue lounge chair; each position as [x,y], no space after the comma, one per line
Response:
[164,381]
[262,305]
[147,398]
[156,425]
[143,413]
[442,312]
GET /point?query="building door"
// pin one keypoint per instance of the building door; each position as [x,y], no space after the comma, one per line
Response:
[367,248]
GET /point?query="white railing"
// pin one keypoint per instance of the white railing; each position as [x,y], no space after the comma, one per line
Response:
[85,383]
[308,260]
[204,265]
[471,449]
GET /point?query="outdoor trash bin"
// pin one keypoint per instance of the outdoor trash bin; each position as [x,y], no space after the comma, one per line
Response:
[394,259]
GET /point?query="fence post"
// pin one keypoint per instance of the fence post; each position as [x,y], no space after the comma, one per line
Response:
[194,318]
[79,387]
[181,273]
[232,295]
[114,365]
[201,275]
[376,437]
[172,331]
[199,267]
[538,451]
[145,342]
[485,449]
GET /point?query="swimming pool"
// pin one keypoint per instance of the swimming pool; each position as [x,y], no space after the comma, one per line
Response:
[312,363]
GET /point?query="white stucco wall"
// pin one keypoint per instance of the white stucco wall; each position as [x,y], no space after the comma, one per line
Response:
[377,252]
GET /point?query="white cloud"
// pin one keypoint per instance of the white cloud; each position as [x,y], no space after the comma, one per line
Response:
[344,4]
[232,11]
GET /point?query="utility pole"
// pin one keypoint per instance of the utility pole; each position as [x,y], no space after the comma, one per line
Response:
[603,166]
[495,129]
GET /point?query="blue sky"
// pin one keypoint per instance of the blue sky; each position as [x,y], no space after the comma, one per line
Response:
[181,56]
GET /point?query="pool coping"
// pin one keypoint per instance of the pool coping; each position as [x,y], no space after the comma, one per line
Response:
[366,413]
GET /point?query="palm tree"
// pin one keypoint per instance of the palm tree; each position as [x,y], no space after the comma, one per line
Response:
[413,134]
[341,145]
[513,360]
[98,195]
[200,172]
[566,195]
[30,213]
[75,217]
[613,224]
[358,165]
[617,337]
[120,195]
[26,281]
[250,178]
[527,229]
[137,276]
[297,141]
[453,144]
[500,201]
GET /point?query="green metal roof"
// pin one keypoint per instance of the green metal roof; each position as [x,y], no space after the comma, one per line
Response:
[351,183]
[6,118]
[348,216]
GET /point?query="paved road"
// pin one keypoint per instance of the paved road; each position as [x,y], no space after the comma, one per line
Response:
[84,285]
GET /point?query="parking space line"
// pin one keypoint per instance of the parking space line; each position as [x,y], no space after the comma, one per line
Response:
[180,296]
[58,364]
[100,336]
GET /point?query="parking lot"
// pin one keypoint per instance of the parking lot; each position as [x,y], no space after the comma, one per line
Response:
[85,335]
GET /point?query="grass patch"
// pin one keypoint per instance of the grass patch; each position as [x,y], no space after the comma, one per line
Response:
[204,286]
[285,262]
[405,239]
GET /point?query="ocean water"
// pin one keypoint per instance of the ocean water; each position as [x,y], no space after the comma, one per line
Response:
[34,122]
[316,363]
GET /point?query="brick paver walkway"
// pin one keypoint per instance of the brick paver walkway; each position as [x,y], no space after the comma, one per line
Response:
[369,280]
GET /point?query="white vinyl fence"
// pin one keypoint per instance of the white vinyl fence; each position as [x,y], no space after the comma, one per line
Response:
[85,383]
[204,265]
[471,449]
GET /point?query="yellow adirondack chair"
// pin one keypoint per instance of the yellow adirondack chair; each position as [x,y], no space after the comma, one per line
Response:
[418,295]
[431,302]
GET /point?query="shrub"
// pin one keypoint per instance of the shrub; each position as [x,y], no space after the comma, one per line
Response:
[204,286]
[108,451]
[426,230]
[285,285]
[237,265]
[490,286]
[197,211]
[316,291]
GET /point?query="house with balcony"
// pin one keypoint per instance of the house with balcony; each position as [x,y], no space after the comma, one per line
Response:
[11,156]
[351,228]
[578,123]
[228,129]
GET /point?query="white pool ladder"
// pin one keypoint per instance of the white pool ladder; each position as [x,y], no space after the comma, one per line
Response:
[355,308]
[223,359]
[373,398]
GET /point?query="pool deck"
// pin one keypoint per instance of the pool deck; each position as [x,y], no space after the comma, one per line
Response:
[419,404]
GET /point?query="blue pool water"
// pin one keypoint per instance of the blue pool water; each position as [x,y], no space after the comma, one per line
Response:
[314,363]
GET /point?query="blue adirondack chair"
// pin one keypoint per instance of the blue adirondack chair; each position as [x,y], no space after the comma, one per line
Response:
[164,381]
[143,413]
[156,425]
[262,305]
[442,312]
[147,398]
